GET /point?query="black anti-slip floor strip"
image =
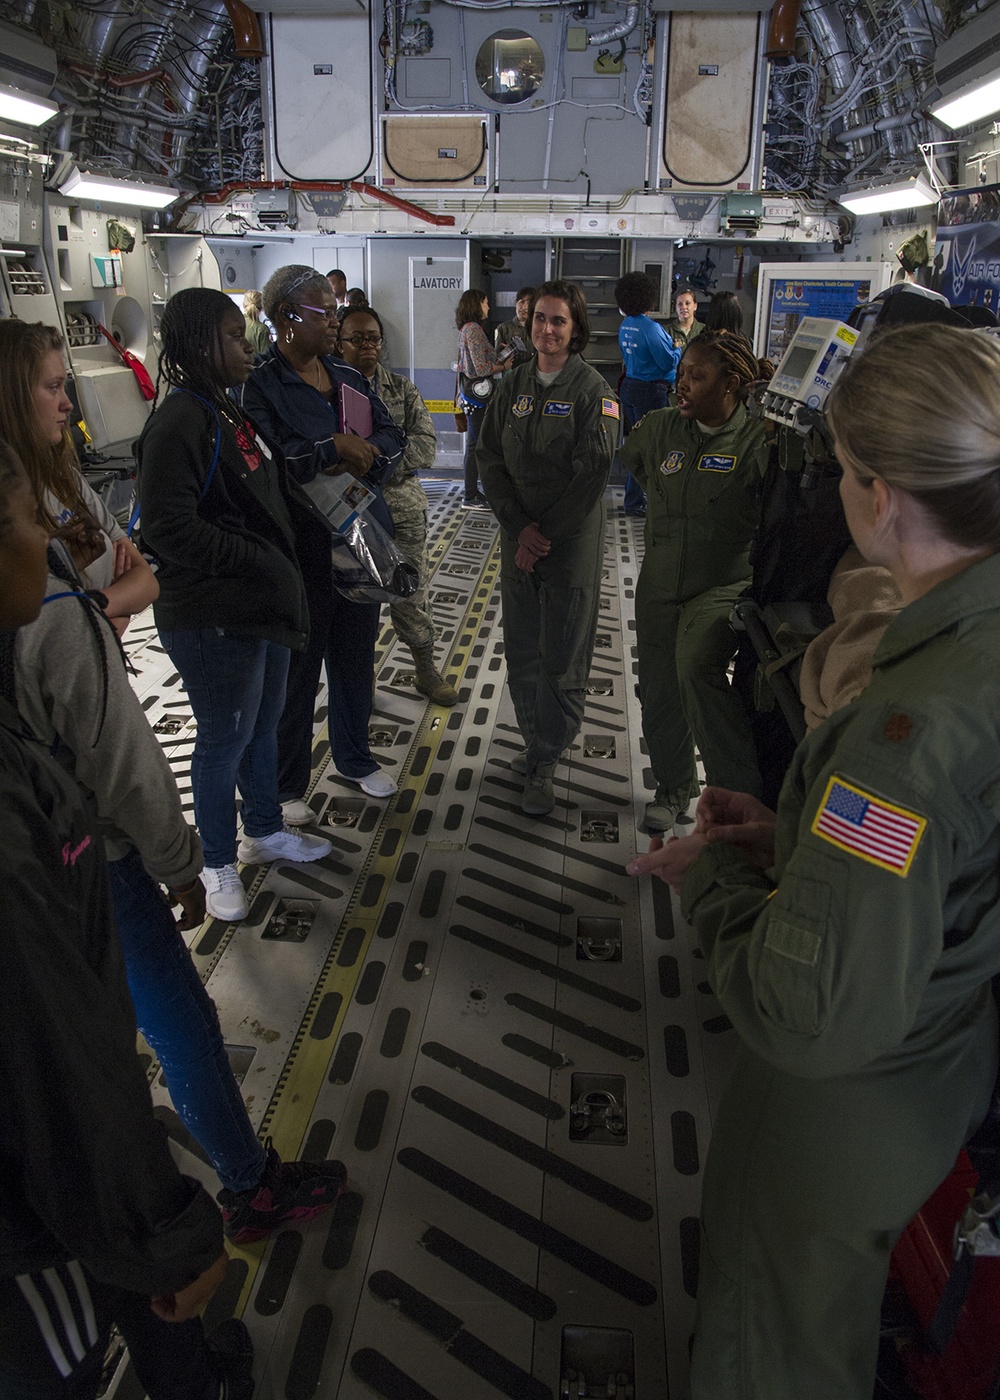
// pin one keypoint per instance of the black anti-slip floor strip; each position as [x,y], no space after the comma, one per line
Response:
[448,1329]
[490,1079]
[558,974]
[594,1034]
[540,872]
[385,1378]
[586,1261]
[492,1277]
[527,1151]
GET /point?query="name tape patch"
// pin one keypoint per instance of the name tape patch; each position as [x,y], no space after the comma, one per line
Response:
[866,826]
[609,408]
[556,409]
[707,463]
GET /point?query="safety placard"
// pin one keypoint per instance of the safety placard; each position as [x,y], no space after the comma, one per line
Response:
[440,405]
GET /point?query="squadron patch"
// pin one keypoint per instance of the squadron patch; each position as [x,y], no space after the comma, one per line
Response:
[866,826]
[523,405]
[672,463]
[556,409]
[708,463]
[609,409]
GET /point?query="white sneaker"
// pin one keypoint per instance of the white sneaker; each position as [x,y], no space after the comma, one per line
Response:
[297,813]
[225,897]
[377,784]
[282,845]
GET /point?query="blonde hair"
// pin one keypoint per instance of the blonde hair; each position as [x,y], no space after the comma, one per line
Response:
[253,305]
[23,348]
[920,408]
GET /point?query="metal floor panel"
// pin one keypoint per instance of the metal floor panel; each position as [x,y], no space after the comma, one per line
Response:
[429,1029]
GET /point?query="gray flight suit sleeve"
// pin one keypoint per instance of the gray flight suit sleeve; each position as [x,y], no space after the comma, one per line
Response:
[597,435]
[826,972]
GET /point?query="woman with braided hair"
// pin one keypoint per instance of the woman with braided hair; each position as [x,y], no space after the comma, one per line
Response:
[232,604]
[701,465]
[34,411]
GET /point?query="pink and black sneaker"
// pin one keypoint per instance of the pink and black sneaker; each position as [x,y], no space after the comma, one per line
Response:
[288,1191]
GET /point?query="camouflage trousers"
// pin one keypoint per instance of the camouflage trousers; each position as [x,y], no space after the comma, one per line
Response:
[411,618]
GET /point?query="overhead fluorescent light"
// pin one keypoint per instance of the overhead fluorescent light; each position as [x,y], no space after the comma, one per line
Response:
[25,108]
[880,199]
[83,184]
[970,104]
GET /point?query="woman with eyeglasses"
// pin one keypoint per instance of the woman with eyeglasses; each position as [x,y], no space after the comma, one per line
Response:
[295,397]
[361,340]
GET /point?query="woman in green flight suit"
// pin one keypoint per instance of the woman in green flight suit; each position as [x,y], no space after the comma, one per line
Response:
[701,466]
[544,456]
[851,938]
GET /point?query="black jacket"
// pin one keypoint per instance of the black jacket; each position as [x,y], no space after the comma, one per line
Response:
[223,537]
[85,1172]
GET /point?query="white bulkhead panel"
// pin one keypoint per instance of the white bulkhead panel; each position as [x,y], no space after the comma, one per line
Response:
[321,124]
[714,100]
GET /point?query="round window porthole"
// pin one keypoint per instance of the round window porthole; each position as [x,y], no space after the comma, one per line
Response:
[510,66]
[229,272]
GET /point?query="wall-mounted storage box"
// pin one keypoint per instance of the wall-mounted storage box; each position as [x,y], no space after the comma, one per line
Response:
[432,152]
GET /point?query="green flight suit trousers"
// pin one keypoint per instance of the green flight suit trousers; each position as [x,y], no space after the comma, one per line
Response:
[549,628]
[808,1185]
[684,653]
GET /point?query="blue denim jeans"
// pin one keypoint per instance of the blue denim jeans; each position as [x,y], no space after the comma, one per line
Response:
[474,418]
[236,686]
[343,634]
[639,397]
[179,1020]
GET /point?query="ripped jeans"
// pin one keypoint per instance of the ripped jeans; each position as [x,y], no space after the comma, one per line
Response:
[236,686]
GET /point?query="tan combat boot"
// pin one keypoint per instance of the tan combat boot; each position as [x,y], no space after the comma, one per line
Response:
[429,681]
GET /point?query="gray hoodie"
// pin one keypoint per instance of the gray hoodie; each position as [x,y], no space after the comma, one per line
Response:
[62,691]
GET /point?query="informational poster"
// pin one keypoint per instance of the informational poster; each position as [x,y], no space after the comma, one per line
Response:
[789,292]
[831,298]
[966,264]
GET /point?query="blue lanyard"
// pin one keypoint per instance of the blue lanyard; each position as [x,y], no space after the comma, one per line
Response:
[218,435]
[69,593]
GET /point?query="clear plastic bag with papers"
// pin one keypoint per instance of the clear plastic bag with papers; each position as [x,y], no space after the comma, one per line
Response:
[367,565]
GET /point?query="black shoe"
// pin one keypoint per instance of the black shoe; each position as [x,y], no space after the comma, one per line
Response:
[287,1191]
[476,502]
[232,1353]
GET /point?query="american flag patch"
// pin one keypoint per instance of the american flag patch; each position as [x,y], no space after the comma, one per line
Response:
[868,827]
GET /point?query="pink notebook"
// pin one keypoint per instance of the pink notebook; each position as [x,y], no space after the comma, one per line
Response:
[355,412]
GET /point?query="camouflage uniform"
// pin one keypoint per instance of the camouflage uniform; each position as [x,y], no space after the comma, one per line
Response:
[407,500]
